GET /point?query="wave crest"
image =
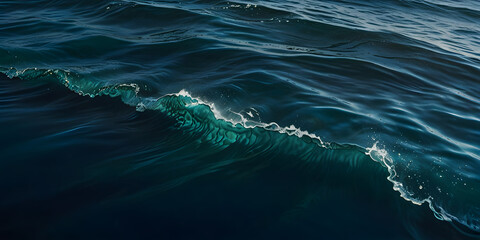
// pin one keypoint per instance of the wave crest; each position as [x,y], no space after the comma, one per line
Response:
[203,119]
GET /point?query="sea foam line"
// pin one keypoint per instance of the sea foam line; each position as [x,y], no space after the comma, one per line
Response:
[129,95]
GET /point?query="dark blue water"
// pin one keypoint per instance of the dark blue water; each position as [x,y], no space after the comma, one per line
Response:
[240,120]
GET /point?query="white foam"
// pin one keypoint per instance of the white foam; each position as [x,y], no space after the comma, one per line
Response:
[246,123]
[381,155]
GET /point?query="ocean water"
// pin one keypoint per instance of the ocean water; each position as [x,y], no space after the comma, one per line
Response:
[142,119]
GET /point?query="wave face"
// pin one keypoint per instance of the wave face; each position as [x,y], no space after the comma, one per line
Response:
[248,120]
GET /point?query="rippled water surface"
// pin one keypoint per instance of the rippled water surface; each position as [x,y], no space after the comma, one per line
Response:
[240,120]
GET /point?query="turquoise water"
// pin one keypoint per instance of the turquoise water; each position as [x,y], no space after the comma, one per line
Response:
[240,120]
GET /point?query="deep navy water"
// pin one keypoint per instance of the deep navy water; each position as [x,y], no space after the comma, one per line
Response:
[141,119]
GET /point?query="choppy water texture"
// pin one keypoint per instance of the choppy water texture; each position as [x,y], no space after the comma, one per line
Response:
[240,120]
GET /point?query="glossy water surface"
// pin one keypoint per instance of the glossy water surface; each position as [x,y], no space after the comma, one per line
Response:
[240,120]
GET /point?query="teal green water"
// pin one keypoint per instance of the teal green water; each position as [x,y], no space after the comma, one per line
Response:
[234,120]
